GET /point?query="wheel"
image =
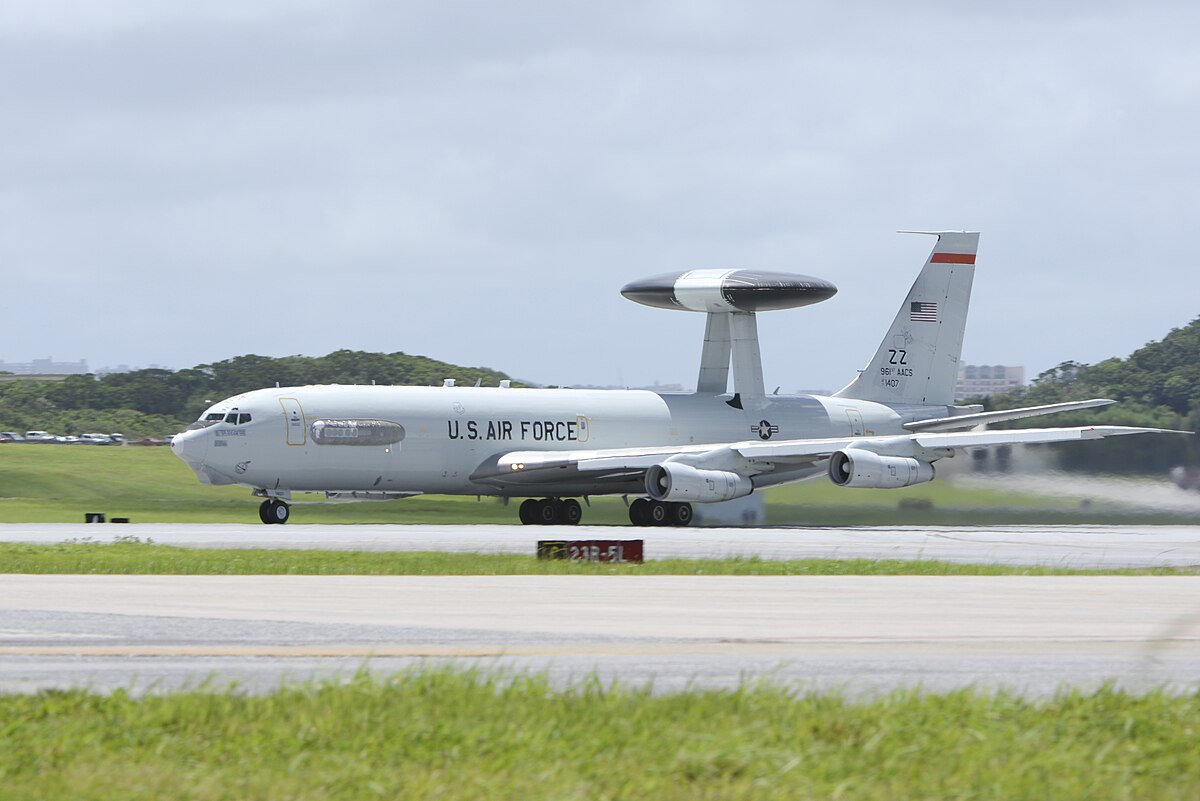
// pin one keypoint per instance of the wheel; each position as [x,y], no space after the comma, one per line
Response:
[547,511]
[264,511]
[571,512]
[278,511]
[528,512]
[639,512]
[681,514]
[658,513]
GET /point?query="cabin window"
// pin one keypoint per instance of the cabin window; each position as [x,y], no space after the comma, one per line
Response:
[356,432]
[243,418]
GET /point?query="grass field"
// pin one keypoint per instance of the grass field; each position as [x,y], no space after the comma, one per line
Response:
[46,483]
[133,557]
[454,735]
[463,735]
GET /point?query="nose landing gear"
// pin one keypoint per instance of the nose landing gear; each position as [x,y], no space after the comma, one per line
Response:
[273,510]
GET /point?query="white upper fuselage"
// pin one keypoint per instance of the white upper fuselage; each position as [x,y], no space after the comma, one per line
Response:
[282,439]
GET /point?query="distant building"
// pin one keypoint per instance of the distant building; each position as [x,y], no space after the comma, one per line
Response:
[45,367]
[981,380]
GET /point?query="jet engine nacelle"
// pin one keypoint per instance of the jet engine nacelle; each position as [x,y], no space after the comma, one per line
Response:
[681,482]
[858,468]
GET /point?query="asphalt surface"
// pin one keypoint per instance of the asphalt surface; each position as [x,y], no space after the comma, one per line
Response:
[857,634]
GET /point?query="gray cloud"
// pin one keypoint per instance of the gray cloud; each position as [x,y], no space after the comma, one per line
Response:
[186,182]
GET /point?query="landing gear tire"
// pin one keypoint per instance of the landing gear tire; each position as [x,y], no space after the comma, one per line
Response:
[571,512]
[681,514]
[645,512]
[548,511]
[639,512]
[274,510]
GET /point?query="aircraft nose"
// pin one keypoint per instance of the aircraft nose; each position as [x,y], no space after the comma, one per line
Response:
[190,446]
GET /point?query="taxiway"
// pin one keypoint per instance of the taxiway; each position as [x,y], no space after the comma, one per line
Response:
[1081,547]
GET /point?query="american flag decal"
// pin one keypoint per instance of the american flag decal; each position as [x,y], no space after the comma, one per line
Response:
[922,312]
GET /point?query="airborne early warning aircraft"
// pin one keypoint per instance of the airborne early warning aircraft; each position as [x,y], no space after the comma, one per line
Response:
[885,429]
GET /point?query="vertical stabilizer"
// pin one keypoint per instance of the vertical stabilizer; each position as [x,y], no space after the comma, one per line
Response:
[917,362]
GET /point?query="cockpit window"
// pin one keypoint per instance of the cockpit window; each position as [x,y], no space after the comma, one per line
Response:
[212,418]
[207,420]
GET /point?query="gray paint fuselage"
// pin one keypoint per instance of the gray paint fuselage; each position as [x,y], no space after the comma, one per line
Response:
[451,431]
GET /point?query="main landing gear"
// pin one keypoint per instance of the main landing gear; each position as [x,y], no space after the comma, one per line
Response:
[645,512]
[567,512]
[273,510]
[550,511]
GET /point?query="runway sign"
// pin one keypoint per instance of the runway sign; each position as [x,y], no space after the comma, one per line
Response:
[591,550]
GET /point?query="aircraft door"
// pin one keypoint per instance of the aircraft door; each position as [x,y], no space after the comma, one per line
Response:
[293,417]
[856,422]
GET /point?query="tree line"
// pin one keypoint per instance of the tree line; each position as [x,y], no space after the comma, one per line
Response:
[156,402]
[1157,386]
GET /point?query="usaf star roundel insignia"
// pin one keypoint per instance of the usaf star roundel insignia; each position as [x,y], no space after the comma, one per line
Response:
[764,429]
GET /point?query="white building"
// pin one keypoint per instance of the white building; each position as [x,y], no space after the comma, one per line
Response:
[981,380]
[44,367]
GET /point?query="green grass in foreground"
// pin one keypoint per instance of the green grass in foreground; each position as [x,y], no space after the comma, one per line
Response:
[59,484]
[134,557]
[452,735]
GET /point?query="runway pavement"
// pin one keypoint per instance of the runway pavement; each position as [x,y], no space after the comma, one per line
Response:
[857,633]
[860,634]
[1063,546]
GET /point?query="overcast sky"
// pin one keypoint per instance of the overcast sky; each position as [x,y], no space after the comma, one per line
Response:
[183,182]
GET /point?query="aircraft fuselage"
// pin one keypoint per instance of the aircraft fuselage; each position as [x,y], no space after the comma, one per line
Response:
[285,442]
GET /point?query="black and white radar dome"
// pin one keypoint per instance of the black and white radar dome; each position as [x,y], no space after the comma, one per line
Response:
[729,291]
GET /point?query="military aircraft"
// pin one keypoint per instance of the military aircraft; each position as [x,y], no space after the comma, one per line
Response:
[887,428]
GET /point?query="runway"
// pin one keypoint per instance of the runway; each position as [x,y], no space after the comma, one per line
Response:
[859,634]
[1083,547]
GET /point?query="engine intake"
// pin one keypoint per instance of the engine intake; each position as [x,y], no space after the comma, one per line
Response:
[858,468]
[681,482]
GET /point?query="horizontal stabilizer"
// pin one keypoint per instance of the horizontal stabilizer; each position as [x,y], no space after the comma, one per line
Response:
[1030,436]
[965,421]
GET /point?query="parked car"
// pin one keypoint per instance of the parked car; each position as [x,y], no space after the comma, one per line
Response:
[69,439]
[150,441]
[96,439]
[117,438]
[39,436]
[11,436]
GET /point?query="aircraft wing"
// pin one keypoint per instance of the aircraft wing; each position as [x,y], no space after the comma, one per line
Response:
[913,444]
[753,457]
